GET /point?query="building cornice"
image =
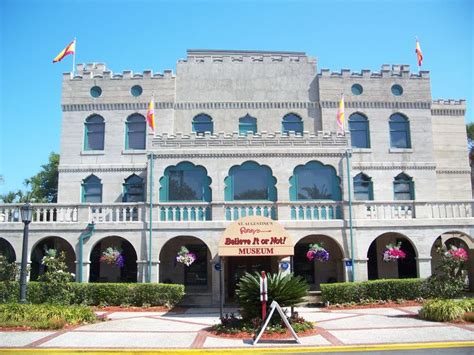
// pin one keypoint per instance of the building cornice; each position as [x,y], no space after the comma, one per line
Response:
[91,170]
[248,155]
[453,171]
[394,166]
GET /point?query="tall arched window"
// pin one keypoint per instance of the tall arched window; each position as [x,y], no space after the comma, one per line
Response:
[363,189]
[359,128]
[185,182]
[403,187]
[292,122]
[133,189]
[135,136]
[91,189]
[247,124]
[250,181]
[315,181]
[399,131]
[94,129]
[203,123]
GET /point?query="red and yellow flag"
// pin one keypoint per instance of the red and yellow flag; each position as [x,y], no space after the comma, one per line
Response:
[340,115]
[70,49]
[150,114]
[418,53]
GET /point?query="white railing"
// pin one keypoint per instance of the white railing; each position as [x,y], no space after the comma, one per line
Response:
[182,211]
[316,210]
[116,213]
[238,209]
[231,211]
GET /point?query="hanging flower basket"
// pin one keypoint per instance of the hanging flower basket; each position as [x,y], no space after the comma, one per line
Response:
[185,256]
[459,254]
[393,252]
[317,252]
[112,256]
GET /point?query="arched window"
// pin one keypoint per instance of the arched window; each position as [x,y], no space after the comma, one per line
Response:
[91,189]
[203,123]
[399,131]
[247,124]
[133,189]
[94,127]
[250,181]
[359,128]
[135,136]
[403,187]
[292,122]
[315,181]
[363,189]
[185,182]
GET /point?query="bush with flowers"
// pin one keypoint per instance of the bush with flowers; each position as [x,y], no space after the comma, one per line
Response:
[185,256]
[56,279]
[113,256]
[317,252]
[448,280]
[393,252]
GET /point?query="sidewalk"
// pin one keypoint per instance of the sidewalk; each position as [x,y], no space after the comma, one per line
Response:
[363,329]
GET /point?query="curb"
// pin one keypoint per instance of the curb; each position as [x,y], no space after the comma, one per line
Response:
[257,350]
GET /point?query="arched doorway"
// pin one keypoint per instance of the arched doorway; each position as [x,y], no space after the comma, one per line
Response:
[458,240]
[7,250]
[101,271]
[404,268]
[197,276]
[318,272]
[39,251]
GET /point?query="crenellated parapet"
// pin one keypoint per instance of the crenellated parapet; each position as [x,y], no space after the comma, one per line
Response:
[386,71]
[321,139]
[100,71]
[442,107]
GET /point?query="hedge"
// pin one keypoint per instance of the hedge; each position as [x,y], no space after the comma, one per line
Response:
[377,290]
[101,294]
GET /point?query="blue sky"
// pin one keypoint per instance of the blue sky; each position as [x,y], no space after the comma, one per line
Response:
[142,34]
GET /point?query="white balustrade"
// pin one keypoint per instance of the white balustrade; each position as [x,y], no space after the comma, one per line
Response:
[116,213]
[235,210]
[316,210]
[173,212]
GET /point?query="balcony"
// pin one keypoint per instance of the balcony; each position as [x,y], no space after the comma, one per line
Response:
[316,211]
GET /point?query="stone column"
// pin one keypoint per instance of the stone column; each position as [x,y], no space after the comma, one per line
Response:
[216,274]
[360,268]
[86,270]
[424,266]
[142,271]
[284,266]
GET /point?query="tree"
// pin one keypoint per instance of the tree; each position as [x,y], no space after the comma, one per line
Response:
[42,187]
[470,140]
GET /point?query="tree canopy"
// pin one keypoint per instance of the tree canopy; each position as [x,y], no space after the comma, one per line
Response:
[42,187]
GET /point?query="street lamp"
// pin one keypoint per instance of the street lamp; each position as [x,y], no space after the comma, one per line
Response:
[26,212]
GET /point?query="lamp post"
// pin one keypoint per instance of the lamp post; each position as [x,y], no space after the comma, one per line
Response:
[26,213]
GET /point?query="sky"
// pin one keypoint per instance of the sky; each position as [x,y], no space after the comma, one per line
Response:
[152,34]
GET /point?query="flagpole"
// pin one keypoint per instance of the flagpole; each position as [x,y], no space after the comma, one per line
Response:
[151,217]
[74,57]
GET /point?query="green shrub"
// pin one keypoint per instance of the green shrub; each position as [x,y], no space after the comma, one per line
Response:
[377,290]
[56,280]
[44,316]
[442,310]
[100,294]
[287,290]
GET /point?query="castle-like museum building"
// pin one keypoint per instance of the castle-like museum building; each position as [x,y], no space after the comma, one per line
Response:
[247,142]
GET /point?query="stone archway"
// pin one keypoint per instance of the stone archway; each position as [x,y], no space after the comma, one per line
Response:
[196,277]
[377,268]
[103,272]
[317,272]
[459,240]
[39,251]
[7,250]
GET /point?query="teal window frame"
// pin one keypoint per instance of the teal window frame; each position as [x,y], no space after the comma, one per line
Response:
[247,124]
[206,193]
[291,119]
[363,185]
[400,180]
[91,182]
[130,187]
[94,124]
[138,123]
[399,124]
[359,125]
[200,121]
[315,166]
[229,190]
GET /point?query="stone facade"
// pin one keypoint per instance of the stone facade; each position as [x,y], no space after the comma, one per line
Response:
[228,85]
